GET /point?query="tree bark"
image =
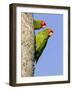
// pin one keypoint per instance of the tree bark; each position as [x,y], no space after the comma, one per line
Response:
[27,45]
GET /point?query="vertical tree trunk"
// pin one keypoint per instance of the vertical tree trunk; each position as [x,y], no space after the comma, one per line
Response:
[27,45]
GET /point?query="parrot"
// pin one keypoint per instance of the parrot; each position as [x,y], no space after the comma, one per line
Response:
[41,39]
[38,24]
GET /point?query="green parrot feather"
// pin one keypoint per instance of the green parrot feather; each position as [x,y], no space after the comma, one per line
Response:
[41,40]
[37,24]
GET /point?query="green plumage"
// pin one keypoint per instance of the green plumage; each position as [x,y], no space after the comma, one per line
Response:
[41,41]
[37,24]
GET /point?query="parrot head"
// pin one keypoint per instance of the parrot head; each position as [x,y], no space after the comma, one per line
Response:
[50,32]
[43,24]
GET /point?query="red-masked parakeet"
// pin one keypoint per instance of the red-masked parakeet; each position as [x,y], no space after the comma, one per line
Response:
[38,24]
[41,39]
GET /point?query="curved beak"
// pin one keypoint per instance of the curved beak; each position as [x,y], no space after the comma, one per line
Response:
[43,24]
[50,32]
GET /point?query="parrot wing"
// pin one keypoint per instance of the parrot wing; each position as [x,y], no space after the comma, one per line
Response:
[41,40]
[40,50]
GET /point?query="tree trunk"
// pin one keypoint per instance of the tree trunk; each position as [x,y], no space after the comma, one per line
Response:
[27,45]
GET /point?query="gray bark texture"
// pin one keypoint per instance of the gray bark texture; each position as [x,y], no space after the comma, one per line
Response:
[27,45]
